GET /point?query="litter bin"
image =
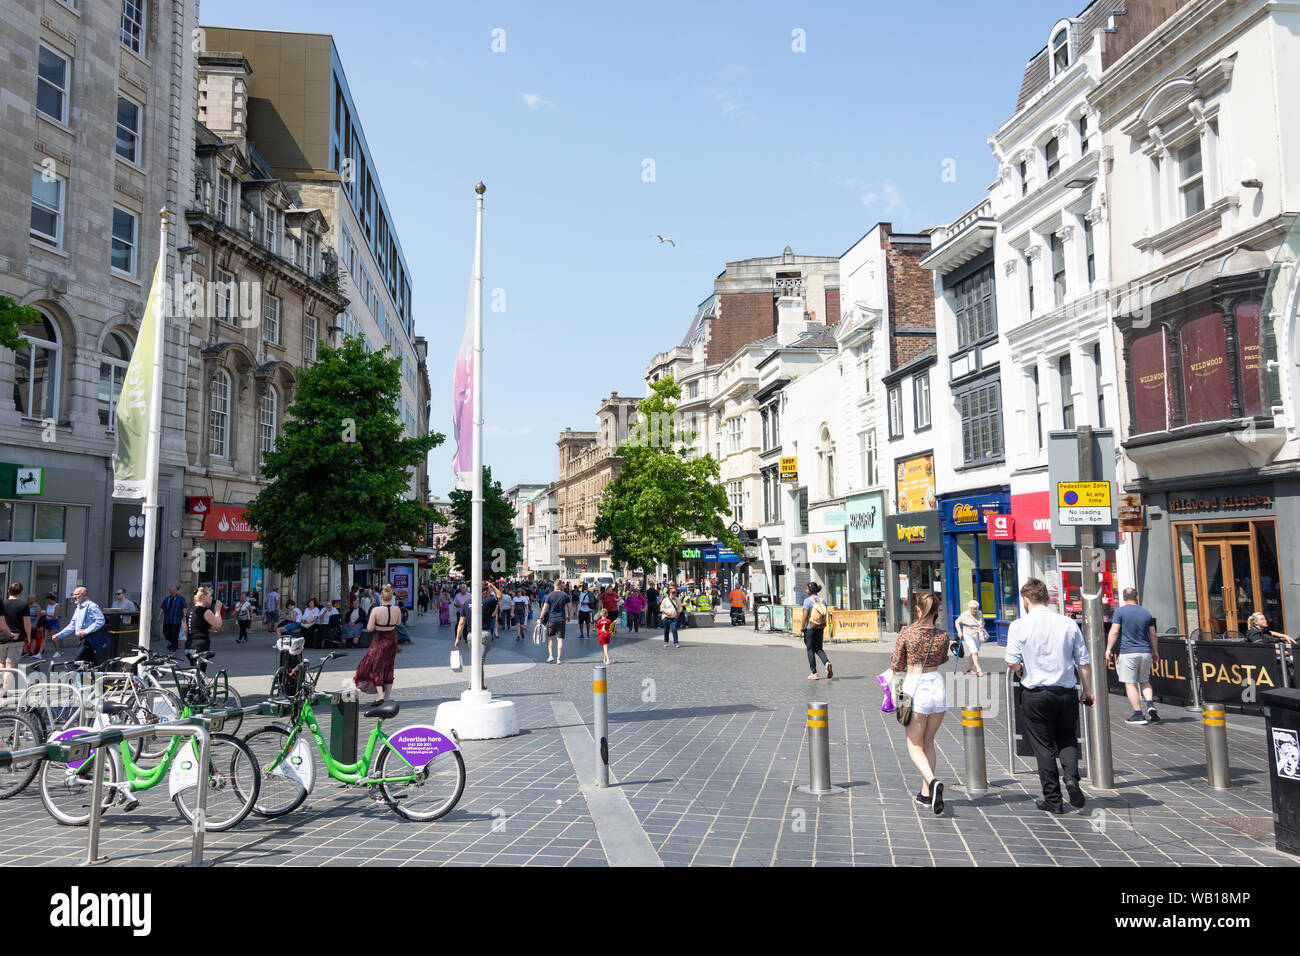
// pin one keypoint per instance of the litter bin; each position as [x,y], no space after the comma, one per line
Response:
[1282,737]
[344,716]
[123,631]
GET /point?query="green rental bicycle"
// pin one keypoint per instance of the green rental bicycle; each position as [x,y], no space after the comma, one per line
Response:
[233,778]
[419,772]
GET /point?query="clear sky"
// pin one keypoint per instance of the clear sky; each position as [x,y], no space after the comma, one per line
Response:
[754,146]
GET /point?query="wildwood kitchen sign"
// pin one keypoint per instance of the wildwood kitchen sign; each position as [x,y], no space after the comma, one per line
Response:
[1224,502]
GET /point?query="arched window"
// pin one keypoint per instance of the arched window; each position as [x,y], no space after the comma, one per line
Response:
[112,369]
[219,416]
[36,371]
[1060,50]
[266,420]
[827,455]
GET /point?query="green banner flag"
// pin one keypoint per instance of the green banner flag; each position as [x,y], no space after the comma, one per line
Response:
[129,469]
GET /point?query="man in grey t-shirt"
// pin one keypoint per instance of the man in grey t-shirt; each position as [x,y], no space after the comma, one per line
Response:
[1135,629]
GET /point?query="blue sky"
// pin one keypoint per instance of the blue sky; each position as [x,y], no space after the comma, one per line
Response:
[755,146]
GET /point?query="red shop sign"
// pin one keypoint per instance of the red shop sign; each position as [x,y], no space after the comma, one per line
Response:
[1001,527]
[228,523]
[1033,516]
[198,504]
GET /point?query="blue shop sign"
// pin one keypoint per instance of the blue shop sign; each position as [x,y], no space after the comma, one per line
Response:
[970,512]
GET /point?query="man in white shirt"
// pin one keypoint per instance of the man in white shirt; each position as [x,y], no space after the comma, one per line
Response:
[1044,649]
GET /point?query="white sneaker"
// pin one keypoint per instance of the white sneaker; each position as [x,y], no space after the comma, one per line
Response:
[550,660]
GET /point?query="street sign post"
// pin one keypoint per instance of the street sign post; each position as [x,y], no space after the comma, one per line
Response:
[1081,469]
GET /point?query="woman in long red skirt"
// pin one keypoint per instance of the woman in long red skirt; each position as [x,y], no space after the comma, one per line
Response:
[375,672]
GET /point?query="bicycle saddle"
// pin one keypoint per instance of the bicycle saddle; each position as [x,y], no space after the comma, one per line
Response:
[114,707]
[384,711]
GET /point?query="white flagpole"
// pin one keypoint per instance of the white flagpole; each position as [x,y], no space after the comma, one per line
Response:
[152,450]
[476,501]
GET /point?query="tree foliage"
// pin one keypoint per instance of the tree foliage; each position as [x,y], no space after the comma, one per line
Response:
[12,318]
[341,467]
[660,495]
[501,547]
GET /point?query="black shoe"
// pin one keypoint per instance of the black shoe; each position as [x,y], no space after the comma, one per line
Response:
[1059,810]
[936,790]
[923,800]
[1077,799]
[1151,713]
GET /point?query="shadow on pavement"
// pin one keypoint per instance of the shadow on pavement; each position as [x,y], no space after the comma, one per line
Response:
[631,716]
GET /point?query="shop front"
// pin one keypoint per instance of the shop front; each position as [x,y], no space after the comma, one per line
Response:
[1224,547]
[827,552]
[980,569]
[866,560]
[915,547]
[230,553]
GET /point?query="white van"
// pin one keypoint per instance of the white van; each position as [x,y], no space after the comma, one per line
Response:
[597,579]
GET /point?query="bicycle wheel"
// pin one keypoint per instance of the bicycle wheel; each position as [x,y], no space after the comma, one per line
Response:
[433,792]
[233,783]
[280,794]
[66,791]
[18,731]
[155,706]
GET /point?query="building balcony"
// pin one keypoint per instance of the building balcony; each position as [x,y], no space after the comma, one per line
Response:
[966,238]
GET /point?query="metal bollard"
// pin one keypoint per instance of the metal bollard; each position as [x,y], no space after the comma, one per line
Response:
[1215,720]
[977,778]
[1011,722]
[819,750]
[599,692]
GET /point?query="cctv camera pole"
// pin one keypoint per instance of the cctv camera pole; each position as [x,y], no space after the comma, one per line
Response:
[1100,770]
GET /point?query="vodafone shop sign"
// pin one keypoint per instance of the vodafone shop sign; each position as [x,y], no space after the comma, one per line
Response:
[228,523]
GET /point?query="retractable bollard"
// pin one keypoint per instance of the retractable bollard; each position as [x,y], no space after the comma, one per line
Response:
[599,692]
[977,778]
[819,750]
[1215,720]
[1011,722]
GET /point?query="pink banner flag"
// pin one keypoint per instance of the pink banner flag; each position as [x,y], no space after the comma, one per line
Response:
[462,397]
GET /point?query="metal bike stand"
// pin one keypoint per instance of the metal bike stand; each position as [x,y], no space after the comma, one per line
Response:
[78,748]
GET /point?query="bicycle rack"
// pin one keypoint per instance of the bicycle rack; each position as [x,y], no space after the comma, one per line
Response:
[79,747]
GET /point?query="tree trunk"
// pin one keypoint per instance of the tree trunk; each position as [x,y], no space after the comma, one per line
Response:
[345,584]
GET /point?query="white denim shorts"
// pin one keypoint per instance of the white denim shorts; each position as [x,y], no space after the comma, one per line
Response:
[929,693]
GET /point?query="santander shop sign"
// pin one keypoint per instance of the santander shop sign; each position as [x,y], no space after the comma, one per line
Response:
[228,523]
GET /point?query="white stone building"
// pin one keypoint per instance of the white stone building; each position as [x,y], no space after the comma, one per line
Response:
[97,137]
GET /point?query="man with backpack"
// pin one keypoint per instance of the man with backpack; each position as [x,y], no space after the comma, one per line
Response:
[815,618]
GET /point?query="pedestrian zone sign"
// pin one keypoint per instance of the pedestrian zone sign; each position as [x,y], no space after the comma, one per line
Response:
[1083,502]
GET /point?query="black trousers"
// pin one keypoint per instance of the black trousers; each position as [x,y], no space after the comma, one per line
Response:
[812,641]
[1052,726]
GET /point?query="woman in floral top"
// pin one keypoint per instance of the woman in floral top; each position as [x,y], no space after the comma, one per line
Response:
[921,650]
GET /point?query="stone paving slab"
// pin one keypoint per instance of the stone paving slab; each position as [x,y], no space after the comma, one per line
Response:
[707,746]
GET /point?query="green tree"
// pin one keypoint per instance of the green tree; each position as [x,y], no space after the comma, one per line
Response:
[13,317]
[660,495]
[440,568]
[341,468]
[500,545]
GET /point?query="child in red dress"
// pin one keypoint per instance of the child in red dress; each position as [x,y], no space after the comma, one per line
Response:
[604,627]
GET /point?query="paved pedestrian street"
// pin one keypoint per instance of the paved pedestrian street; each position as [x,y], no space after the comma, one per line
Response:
[708,752]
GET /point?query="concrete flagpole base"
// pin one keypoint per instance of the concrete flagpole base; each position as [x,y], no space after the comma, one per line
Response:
[476,716]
